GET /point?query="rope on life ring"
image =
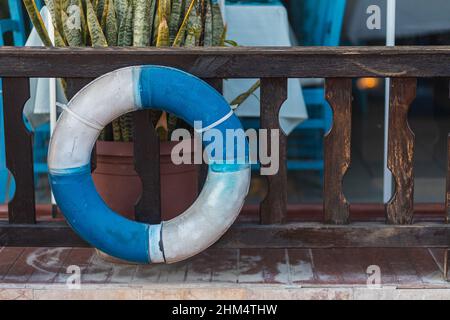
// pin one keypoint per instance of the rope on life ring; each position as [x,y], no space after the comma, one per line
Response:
[105,99]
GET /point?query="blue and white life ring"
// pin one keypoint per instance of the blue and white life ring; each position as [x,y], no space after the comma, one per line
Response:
[105,99]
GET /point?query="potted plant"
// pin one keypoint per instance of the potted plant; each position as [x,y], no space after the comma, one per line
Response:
[140,23]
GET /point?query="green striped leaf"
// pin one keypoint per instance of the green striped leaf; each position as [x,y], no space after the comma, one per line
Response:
[217,24]
[181,32]
[58,8]
[65,4]
[59,39]
[126,127]
[163,39]
[102,18]
[151,20]
[84,28]
[126,29]
[72,26]
[141,23]
[117,132]
[223,37]
[100,9]
[120,7]
[164,7]
[176,16]
[155,29]
[37,21]
[208,28]
[194,27]
[111,31]
[56,20]
[95,31]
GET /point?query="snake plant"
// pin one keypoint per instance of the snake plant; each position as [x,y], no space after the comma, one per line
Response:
[139,23]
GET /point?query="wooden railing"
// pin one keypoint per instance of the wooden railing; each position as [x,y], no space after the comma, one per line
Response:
[273,66]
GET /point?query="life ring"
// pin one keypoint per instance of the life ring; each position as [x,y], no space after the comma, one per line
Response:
[105,99]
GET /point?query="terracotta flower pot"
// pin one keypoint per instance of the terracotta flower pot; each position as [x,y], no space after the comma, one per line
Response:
[120,187]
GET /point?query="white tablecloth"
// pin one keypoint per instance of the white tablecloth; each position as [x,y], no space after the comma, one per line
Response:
[263,25]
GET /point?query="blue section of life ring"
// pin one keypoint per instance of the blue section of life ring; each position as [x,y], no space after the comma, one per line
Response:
[154,87]
[94,221]
[191,99]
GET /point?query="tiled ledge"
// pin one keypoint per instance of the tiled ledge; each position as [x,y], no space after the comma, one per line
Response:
[215,292]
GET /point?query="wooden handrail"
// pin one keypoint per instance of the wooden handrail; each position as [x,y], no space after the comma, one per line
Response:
[240,62]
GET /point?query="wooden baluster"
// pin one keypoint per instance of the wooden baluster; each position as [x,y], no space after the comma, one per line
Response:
[447,188]
[147,165]
[19,150]
[399,209]
[337,149]
[76,84]
[273,94]
[216,83]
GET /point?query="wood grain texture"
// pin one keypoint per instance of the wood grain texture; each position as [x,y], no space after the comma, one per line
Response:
[7,258]
[216,83]
[304,212]
[400,209]
[263,266]
[337,150]
[147,165]
[239,62]
[76,84]
[273,94]
[447,184]
[19,150]
[218,270]
[318,235]
[445,264]
[252,235]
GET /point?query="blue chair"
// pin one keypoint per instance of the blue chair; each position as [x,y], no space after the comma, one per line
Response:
[16,25]
[321,24]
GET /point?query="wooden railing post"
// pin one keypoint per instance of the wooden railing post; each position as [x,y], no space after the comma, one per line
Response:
[273,94]
[216,83]
[447,185]
[447,182]
[399,210]
[147,165]
[19,150]
[337,149]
